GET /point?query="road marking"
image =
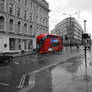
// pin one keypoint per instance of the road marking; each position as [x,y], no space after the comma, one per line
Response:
[16,62]
[4,67]
[44,68]
[4,84]
[21,82]
[27,79]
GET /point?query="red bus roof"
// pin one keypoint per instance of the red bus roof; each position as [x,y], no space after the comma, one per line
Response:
[45,34]
[42,35]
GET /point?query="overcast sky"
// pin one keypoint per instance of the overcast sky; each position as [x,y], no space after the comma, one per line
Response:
[58,7]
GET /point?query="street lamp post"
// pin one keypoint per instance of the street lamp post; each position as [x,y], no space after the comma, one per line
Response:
[70,26]
[85,50]
[85,26]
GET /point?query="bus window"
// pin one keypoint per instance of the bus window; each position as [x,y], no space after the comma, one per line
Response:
[54,44]
[50,36]
[40,43]
[45,37]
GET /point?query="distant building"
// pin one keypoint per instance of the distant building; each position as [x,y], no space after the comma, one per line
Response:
[20,22]
[70,30]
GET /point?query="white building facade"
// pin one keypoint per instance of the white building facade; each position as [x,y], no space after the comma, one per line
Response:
[70,30]
[20,22]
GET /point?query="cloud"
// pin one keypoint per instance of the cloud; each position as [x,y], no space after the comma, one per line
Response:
[81,4]
[56,7]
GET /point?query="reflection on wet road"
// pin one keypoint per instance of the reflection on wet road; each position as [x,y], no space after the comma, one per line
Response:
[66,77]
[69,77]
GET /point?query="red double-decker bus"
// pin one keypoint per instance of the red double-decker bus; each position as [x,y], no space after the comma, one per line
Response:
[47,43]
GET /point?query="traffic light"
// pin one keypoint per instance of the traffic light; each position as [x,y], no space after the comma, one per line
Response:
[84,36]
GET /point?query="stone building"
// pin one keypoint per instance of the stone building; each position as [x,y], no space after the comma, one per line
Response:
[20,22]
[70,30]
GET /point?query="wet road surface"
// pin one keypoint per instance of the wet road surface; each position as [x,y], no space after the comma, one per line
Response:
[66,77]
[69,77]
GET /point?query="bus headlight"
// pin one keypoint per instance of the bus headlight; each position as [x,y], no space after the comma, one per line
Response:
[50,49]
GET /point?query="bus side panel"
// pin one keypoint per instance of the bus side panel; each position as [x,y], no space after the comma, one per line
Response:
[45,46]
[61,45]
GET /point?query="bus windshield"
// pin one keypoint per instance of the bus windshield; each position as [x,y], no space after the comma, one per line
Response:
[40,42]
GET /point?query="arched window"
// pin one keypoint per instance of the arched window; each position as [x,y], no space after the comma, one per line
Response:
[19,26]
[11,8]
[30,29]
[26,1]
[1,22]
[2,2]
[11,25]
[25,28]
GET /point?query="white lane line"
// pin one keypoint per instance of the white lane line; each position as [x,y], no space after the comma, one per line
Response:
[27,79]
[4,84]
[21,82]
[4,67]
[47,67]
[16,62]
[42,69]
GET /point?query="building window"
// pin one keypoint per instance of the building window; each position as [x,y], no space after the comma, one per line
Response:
[26,1]
[40,10]
[47,22]
[11,25]
[40,20]
[25,44]
[36,19]
[30,17]
[2,5]
[10,8]
[19,27]
[1,22]
[36,8]
[19,44]
[18,11]
[30,44]
[31,5]
[12,44]
[25,28]
[31,29]
[25,14]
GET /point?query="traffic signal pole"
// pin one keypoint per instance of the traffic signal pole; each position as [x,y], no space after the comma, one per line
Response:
[85,26]
[85,51]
